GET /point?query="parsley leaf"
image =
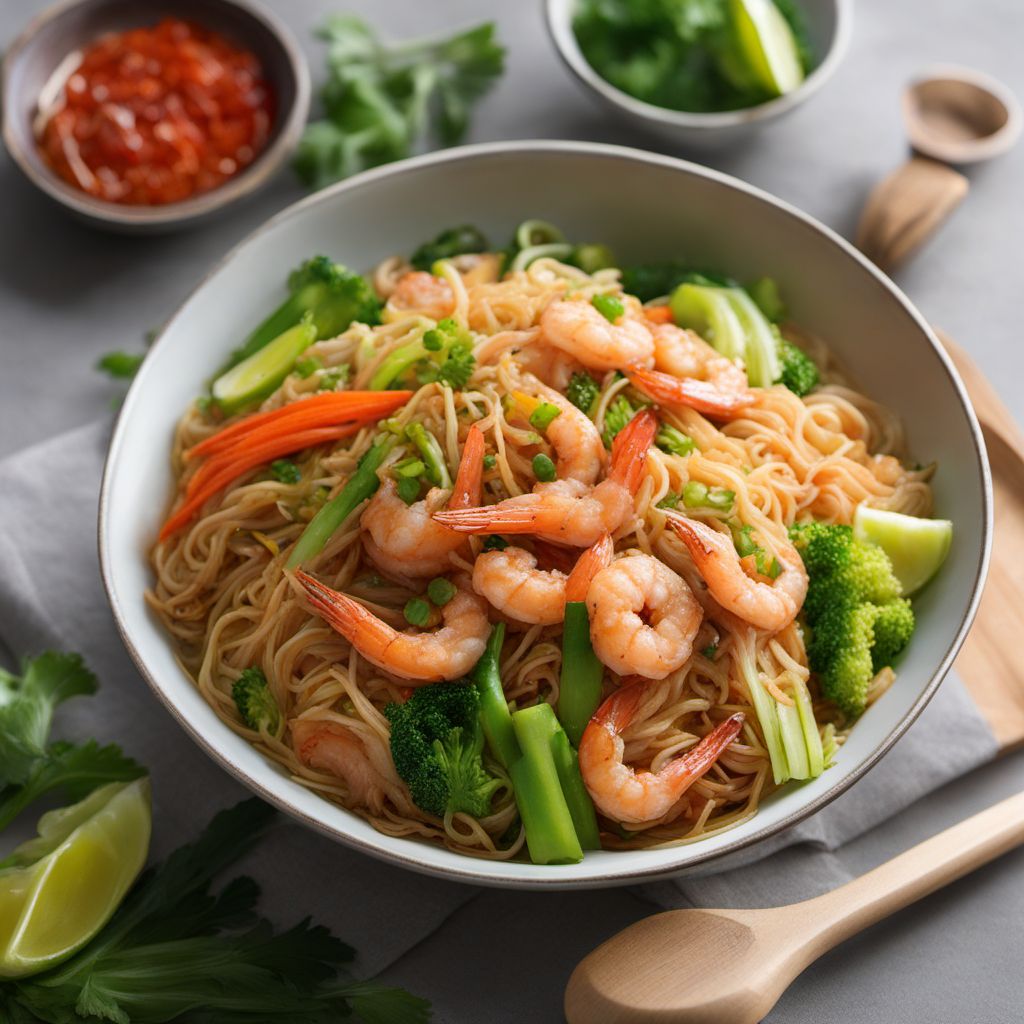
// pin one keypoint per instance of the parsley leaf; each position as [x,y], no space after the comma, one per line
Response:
[383,101]
[27,704]
[176,947]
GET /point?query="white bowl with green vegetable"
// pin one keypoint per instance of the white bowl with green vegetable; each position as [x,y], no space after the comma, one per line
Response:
[711,73]
[645,208]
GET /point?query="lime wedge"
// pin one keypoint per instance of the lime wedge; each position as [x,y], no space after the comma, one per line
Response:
[59,889]
[766,45]
[916,547]
[263,371]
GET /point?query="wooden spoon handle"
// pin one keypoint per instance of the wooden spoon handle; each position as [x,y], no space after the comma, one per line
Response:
[906,208]
[912,875]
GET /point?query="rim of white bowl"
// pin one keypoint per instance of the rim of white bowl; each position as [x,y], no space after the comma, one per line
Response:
[545,876]
[558,14]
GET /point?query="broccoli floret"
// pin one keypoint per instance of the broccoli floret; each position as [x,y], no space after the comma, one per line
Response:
[330,293]
[583,391]
[651,280]
[444,354]
[450,242]
[675,442]
[799,373]
[616,416]
[255,702]
[436,743]
[894,625]
[858,621]
[840,652]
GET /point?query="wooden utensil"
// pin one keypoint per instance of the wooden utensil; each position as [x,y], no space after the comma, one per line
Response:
[989,667]
[731,966]
[952,116]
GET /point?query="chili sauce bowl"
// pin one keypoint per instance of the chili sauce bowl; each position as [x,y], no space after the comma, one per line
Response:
[33,62]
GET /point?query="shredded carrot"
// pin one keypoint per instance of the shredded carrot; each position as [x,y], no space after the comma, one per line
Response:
[323,410]
[306,414]
[658,314]
[221,469]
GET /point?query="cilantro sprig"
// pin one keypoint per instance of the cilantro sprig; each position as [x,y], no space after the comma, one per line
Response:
[177,946]
[382,101]
[30,765]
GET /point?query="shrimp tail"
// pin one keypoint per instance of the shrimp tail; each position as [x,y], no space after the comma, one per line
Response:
[629,450]
[343,614]
[589,564]
[704,396]
[697,761]
[701,540]
[468,487]
[535,518]
[615,714]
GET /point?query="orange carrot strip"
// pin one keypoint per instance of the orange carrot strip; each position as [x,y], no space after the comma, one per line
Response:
[319,410]
[658,314]
[313,419]
[232,465]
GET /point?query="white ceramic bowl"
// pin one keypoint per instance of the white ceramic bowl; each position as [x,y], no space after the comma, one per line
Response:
[828,26]
[645,207]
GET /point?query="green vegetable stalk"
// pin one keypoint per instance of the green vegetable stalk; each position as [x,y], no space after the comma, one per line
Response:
[582,672]
[361,485]
[791,733]
[495,716]
[553,802]
[550,827]
[330,294]
[431,454]
[575,792]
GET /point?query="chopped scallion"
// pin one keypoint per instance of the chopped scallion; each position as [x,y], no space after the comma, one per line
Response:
[608,306]
[441,591]
[543,468]
[542,417]
[417,612]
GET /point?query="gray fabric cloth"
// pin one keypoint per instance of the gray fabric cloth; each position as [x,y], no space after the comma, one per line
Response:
[51,596]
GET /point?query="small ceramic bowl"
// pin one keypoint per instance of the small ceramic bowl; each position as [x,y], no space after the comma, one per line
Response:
[34,57]
[828,26]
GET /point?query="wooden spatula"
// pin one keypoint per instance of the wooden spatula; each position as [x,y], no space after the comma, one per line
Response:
[731,966]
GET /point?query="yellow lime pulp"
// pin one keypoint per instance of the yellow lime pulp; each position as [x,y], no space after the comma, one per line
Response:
[90,855]
[766,45]
[916,547]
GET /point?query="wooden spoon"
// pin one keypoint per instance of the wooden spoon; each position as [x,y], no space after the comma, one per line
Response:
[731,966]
[953,116]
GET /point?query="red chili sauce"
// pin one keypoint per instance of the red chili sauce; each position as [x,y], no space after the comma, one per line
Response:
[155,115]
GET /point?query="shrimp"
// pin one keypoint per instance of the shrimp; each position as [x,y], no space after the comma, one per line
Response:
[551,365]
[770,606]
[447,653]
[512,583]
[420,292]
[691,373]
[624,794]
[576,327]
[568,511]
[333,748]
[404,540]
[620,599]
[579,450]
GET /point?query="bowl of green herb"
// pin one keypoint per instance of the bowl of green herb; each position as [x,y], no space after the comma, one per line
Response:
[700,71]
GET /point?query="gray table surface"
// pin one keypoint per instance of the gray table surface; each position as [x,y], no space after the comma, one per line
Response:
[67,294]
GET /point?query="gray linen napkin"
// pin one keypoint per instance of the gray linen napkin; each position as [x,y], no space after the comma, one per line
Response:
[51,596]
